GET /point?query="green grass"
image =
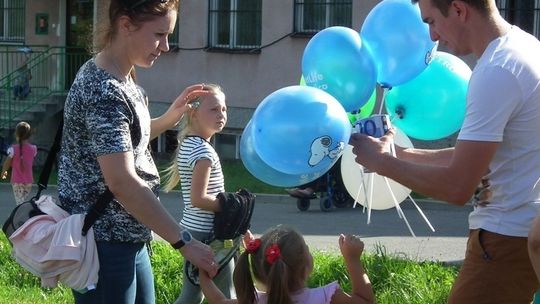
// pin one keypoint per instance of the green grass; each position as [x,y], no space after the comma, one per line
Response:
[236,177]
[395,280]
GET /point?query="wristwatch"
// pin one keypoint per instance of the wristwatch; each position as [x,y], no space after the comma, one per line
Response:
[185,238]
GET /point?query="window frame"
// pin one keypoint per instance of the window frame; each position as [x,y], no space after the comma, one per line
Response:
[330,11]
[508,11]
[12,11]
[233,44]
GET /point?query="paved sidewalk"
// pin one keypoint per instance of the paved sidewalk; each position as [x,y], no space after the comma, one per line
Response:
[321,229]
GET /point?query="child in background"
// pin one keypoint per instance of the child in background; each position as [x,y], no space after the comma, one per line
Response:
[21,85]
[279,263]
[20,158]
[198,169]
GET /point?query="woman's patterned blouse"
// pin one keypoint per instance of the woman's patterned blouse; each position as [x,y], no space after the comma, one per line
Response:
[103,115]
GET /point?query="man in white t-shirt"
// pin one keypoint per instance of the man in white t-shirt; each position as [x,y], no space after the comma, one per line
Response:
[497,148]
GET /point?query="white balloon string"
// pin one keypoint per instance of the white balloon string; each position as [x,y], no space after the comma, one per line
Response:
[422,214]
[393,148]
[356,201]
[398,208]
[370,200]
[383,99]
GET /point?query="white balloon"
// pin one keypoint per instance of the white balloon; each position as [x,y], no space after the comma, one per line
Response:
[359,183]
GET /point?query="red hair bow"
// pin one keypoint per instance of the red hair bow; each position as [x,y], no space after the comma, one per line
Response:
[253,245]
[272,253]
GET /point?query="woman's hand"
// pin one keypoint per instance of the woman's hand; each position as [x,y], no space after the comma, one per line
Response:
[200,255]
[182,103]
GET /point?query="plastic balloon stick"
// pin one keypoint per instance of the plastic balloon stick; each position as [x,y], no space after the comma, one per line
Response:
[399,208]
[422,214]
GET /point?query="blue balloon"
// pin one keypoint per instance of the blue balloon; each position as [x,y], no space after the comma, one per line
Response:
[432,105]
[398,40]
[258,168]
[300,130]
[335,61]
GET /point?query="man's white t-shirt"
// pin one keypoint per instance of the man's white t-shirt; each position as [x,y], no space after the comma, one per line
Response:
[503,105]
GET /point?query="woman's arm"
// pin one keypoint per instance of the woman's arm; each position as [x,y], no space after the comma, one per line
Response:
[139,200]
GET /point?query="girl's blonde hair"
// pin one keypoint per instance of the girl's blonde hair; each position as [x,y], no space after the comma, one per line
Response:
[284,275]
[171,174]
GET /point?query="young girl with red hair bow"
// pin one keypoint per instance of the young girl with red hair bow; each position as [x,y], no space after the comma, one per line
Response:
[276,267]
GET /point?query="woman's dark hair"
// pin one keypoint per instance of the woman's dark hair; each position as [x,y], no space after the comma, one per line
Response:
[138,11]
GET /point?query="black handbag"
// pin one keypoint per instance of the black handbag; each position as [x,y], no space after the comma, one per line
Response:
[23,212]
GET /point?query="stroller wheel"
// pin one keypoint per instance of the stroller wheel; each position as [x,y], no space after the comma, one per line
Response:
[302,204]
[326,203]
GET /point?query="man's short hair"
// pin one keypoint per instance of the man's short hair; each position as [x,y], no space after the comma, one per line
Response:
[483,6]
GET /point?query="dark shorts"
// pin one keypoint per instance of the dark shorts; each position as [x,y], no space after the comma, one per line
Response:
[496,269]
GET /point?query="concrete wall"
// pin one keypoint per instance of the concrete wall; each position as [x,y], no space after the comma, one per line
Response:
[246,78]
[56,22]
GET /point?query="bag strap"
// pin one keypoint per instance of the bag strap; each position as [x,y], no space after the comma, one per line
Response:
[96,209]
[51,157]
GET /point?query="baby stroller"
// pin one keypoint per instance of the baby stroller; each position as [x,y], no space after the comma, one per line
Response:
[328,188]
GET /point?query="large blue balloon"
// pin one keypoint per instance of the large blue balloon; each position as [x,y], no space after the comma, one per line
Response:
[398,41]
[258,168]
[335,61]
[300,130]
[432,105]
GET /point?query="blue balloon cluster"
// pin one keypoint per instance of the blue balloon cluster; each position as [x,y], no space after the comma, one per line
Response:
[432,105]
[258,168]
[336,61]
[295,135]
[398,40]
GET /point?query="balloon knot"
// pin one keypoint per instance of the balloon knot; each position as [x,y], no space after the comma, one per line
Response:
[400,112]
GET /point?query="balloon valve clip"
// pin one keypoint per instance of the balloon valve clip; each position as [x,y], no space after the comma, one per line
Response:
[400,112]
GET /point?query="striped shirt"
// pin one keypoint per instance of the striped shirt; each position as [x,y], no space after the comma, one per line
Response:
[193,149]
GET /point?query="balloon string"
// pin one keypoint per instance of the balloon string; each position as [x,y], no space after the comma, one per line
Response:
[356,201]
[383,99]
[398,208]
[370,200]
[422,214]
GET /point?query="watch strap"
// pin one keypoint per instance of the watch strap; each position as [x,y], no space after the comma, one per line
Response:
[178,244]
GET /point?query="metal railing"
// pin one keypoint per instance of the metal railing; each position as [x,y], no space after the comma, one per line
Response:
[52,71]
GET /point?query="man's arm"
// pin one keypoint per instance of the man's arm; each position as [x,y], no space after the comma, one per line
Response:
[453,180]
[440,157]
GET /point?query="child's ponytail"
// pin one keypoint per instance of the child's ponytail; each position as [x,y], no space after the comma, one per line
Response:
[278,283]
[243,282]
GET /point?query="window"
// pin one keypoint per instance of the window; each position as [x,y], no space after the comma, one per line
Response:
[173,37]
[235,24]
[523,13]
[12,20]
[311,16]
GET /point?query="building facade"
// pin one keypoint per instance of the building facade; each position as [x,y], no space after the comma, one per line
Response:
[249,47]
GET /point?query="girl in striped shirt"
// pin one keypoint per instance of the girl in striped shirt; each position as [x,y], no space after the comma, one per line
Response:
[198,169]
